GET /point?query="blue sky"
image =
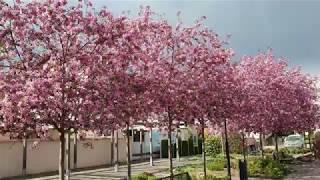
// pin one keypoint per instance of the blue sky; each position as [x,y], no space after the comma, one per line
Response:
[290,27]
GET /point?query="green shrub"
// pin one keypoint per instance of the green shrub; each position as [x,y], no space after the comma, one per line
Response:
[216,164]
[301,150]
[254,168]
[285,153]
[290,151]
[285,150]
[235,143]
[188,168]
[268,150]
[266,168]
[306,150]
[213,145]
[209,177]
[274,169]
[144,176]
[220,156]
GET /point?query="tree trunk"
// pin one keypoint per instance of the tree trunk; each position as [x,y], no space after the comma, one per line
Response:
[24,161]
[68,157]
[141,144]
[203,151]
[276,139]
[128,153]
[276,154]
[244,149]
[75,150]
[177,145]
[151,148]
[170,149]
[309,137]
[112,147]
[116,164]
[261,145]
[62,155]
[227,150]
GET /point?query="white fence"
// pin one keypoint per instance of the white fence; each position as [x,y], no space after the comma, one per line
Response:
[45,156]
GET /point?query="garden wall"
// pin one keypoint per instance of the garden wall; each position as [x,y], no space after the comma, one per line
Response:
[43,156]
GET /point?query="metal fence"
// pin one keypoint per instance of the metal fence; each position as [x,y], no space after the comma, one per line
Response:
[181,176]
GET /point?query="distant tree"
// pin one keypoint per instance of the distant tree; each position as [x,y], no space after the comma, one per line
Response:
[280,99]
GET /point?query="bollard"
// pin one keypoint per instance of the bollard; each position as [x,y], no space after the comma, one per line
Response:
[243,170]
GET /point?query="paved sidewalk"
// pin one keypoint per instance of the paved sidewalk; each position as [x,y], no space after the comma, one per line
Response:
[306,171]
[159,169]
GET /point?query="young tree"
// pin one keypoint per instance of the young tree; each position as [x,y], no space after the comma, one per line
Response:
[122,78]
[282,100]
[209,78]
[48,47]
[188,55]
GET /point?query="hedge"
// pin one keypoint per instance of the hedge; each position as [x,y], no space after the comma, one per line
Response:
[164,149]
[191,147]
[186,148]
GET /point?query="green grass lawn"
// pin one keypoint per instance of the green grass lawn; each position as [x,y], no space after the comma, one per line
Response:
[216,167]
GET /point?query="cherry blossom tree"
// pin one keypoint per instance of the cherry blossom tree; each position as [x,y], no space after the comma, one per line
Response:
[187,53]
[48,50]
[209,83]
[281,99]
[222,104]
[122,80]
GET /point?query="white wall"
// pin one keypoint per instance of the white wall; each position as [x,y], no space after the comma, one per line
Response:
[97,154]
[10,158]
[123,150]
[44,157]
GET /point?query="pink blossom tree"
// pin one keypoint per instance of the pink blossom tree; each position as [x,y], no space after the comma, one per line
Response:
[188,55]
[209,83]
[122,78]
[281,99]
[48,50]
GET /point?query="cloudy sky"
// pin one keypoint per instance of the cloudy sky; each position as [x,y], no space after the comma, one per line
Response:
[290,27]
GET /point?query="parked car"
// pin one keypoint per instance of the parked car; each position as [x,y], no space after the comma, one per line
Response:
[294,140]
